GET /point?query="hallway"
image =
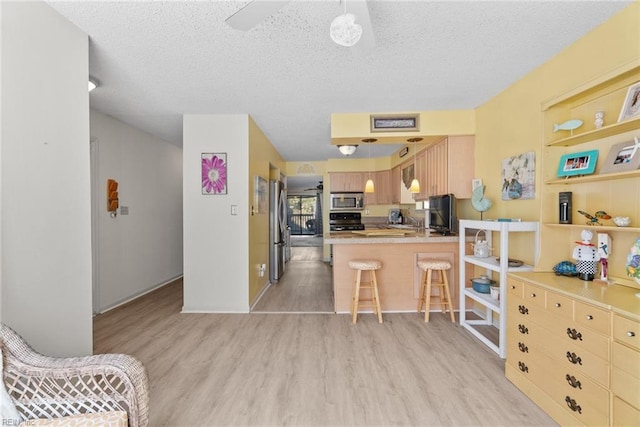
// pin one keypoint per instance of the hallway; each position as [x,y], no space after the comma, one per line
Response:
[306,286]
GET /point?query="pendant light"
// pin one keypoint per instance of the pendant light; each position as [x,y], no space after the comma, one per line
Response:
[369,187]
[415,184]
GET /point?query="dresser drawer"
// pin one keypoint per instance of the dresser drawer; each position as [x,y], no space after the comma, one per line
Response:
[592,317]
[573,334]
[625,386]
[626,331]
[625,373]
[624,414]
[559,305]
[582,361]
[626,359]
[515,288]
[534,294]
[580,396]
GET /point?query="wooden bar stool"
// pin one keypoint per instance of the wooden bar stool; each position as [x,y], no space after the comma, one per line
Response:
[428,266]
[369,265]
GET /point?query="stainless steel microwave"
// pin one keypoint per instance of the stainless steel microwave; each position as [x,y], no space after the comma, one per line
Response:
[347,201]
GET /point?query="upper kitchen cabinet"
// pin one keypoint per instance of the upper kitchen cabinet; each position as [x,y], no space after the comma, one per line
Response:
[447,167]
[346,181]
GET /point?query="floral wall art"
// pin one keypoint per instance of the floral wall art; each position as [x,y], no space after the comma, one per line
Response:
[518,177]
[214,173]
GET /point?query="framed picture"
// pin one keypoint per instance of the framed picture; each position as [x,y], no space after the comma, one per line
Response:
[623,157]
[583,163]
[214,173]
[519,177]
[260,193]
[395,122]
[631,105]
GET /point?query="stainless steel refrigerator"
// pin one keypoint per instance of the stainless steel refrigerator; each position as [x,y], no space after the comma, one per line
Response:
[278,229]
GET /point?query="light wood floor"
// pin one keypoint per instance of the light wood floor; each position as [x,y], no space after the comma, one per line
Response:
[305,287]
[310,369]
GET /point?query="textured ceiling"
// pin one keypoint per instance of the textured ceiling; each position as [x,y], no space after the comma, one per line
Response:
[156,61]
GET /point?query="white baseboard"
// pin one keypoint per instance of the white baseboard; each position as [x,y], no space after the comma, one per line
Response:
[138,295]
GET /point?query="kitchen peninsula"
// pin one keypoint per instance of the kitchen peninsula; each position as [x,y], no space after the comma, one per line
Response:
[399,277]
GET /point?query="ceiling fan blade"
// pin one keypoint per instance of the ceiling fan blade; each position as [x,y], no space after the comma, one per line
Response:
[360,8]
[253,13]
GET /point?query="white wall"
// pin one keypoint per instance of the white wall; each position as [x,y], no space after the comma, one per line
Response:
[216,242]
[142,250]
[45,180]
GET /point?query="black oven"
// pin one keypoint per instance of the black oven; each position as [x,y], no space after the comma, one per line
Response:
[345,221]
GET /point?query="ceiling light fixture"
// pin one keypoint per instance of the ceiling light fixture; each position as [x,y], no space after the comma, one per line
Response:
[347,150]
[369,187]
[415,184]
[344,30]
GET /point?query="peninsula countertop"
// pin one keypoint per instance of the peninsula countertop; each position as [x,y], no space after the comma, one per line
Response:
[349,238]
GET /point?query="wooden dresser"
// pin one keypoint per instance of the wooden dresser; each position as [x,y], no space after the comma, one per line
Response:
[573,347]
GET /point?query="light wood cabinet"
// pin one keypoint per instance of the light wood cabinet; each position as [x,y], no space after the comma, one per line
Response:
[559,344]
[382,188]
[625,371]
[346,181]
[447,167]
[396,182]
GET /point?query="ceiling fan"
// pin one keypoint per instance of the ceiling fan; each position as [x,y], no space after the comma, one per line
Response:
[318,187]
[257,11]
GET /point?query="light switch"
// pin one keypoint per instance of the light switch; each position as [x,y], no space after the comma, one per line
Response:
[234,209]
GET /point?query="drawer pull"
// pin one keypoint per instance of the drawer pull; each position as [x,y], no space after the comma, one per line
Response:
[523,348]
[574,358]
[523,367]
[631,334]
[573,382]
[523,329]
[533,295]
[573,334]
[589,317]
[523,310]
[571,403]
[558,305]
[513,287]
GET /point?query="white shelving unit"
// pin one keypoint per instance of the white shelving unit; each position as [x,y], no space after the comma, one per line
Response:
[491,265]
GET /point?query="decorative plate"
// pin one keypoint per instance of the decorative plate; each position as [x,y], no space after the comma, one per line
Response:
[512,262]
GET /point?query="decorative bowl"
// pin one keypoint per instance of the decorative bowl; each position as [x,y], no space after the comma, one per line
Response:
[622,221]
[482,284]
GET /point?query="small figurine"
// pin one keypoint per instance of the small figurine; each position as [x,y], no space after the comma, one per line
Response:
[593,220]
[604,251]
[587,256]
[599,119]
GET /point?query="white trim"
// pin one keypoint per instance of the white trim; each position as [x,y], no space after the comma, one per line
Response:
[138,295]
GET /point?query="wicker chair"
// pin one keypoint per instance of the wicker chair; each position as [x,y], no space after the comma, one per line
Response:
[48,387]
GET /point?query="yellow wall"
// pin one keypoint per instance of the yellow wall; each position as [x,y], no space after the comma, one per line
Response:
[264,161]
[512,123]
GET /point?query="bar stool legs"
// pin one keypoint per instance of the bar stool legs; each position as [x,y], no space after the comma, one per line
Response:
[428,266]
[357,302]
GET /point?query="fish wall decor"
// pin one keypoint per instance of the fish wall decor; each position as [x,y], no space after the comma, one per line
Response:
[568,125]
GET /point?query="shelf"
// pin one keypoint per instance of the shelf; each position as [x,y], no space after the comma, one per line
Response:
[492,264]
[594,178]
[484,299]
[595,227]
[484,302]
[603,132]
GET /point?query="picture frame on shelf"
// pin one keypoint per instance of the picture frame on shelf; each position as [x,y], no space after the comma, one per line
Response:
[581,163]
[624,156]
[631,105]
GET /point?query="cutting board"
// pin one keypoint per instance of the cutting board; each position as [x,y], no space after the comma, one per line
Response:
[376,233]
